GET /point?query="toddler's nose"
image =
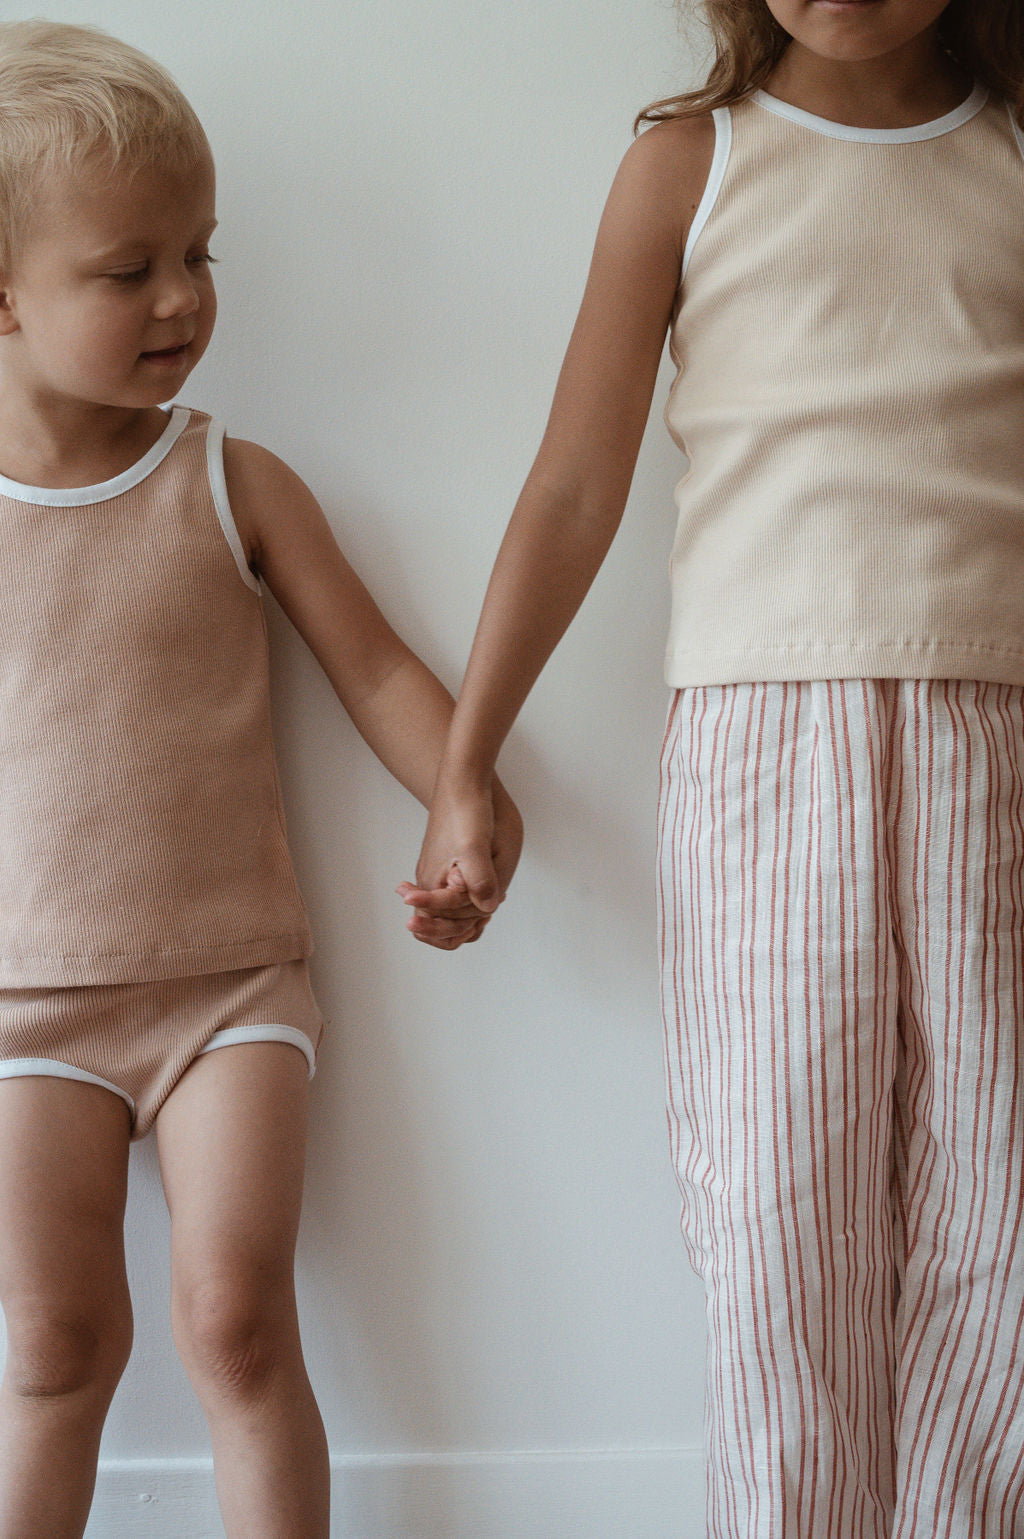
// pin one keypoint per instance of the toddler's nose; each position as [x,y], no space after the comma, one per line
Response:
[177,295]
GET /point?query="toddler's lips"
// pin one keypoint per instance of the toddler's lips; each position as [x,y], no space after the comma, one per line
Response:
[166,354]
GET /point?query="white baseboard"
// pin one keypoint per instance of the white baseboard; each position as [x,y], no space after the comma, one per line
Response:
[630,1494]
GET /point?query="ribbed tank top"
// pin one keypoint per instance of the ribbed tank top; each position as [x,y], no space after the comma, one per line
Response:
[849,337]
[141,830]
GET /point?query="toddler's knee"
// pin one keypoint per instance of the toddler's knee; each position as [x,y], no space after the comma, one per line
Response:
[231,1340]
[72,1353]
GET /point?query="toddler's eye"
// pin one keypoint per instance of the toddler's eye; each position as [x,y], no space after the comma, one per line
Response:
[202,259]
[128,275]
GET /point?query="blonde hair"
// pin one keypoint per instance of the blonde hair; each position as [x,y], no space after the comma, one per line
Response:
[69,93]
[985,37]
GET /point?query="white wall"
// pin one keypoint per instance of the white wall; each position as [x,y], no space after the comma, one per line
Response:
[501,1328]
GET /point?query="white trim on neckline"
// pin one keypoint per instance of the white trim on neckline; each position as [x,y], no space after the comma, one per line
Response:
[918,131]
[81,496]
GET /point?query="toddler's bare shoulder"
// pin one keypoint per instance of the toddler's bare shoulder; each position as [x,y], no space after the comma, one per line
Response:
[262,491]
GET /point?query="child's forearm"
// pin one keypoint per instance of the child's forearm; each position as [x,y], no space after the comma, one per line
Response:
[405,718]
[573,499]
[548,560]
[549,557]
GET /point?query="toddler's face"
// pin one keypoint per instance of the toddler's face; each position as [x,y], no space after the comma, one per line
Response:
[111,300]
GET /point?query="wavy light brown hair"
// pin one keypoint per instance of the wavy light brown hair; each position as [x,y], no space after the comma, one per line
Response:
[985,37]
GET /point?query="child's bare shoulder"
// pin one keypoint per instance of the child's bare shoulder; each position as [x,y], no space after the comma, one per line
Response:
[674,154]
[665,171]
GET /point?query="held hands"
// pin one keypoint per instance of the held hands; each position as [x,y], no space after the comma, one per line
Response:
[469,854]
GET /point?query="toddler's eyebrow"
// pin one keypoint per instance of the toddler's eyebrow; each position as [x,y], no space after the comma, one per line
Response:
[125,250]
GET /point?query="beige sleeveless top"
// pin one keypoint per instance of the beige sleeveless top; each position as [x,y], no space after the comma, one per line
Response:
[849,336]
[141,831]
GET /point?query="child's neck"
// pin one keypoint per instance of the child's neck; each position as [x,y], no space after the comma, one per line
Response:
[77,444]
[912,85]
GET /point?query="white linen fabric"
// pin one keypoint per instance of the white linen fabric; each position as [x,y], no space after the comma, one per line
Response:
[842,933]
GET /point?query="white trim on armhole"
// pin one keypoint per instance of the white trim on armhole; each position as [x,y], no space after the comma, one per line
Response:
[1018,132]
[716,176]
[219,489]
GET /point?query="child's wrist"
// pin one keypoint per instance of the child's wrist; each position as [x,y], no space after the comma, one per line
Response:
[461,779]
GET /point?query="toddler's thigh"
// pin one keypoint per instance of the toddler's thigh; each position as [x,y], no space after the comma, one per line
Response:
[63,1183]
[232,1139]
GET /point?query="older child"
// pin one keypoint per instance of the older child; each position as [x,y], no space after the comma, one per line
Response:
[832,232]
[152,938]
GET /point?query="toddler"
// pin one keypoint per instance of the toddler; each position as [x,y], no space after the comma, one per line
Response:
[153,942]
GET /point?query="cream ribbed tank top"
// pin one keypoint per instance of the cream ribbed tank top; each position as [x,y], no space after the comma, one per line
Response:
[141,831]
[849,336]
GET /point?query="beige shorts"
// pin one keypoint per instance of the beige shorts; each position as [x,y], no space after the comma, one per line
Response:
[137,1039]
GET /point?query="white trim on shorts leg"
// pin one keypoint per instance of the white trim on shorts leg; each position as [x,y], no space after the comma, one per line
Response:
[52,1068]
[230,1035]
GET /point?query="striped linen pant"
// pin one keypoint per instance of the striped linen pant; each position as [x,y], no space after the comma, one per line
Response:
[842,930]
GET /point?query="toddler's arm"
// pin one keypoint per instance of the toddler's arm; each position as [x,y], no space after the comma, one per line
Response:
[574,497]
[396,703]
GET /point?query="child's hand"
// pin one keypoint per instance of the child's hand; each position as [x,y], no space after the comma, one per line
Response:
[456,896]
[443,916]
